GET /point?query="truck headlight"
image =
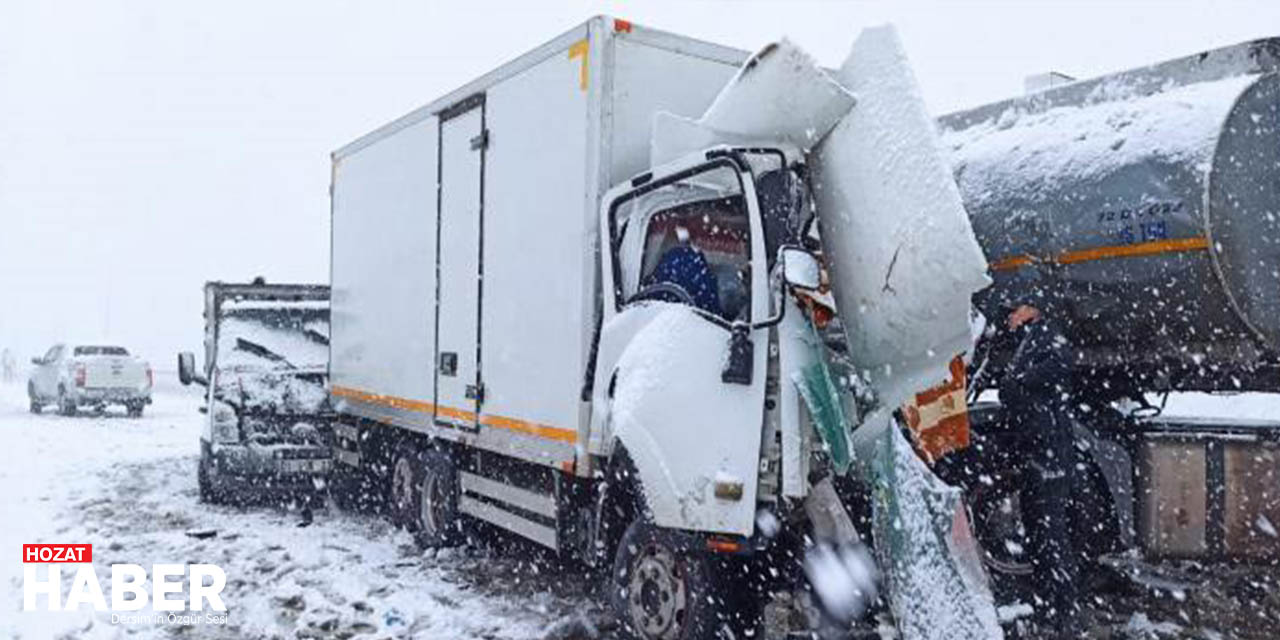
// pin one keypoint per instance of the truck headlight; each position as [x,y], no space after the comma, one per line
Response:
[224,423]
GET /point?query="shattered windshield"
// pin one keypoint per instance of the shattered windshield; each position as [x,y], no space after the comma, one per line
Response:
[272,356]
[273,336]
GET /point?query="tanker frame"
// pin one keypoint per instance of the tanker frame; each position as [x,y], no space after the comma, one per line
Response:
[1146,204]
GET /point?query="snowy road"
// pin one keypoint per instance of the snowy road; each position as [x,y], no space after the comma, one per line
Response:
[128,487]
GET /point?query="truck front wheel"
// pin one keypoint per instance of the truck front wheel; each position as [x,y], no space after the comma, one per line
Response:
[209,493]
[664,588]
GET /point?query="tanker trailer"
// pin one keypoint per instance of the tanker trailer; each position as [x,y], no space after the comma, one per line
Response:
[1148,203]
[1145,205]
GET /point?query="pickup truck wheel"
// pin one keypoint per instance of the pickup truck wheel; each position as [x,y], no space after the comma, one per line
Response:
[66,406]
[36,407]
[663,588]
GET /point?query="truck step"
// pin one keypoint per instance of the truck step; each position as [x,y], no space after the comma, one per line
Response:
[498,503]
[520,525]
[531,501]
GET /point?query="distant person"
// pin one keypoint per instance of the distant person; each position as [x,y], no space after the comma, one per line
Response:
[6,360]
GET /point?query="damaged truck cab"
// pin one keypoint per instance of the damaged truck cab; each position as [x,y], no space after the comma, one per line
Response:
[266,427]
[687,379]
[604,350]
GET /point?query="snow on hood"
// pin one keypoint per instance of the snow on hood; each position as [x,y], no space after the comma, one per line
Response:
[268,391]
[779,95]
[263,345]
[1022,152]
[903,258]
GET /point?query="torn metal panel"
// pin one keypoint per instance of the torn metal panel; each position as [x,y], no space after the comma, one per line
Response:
[780,95]
[903,258]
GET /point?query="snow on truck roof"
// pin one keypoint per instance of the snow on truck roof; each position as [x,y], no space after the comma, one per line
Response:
[996,157]
[229,305]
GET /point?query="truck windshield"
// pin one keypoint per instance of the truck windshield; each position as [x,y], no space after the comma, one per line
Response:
[687,241]
[279,336]
[272,356]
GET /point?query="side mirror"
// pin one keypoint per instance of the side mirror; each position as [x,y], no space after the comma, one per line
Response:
[800,269]
[37,361]
[187,369]
[739,364]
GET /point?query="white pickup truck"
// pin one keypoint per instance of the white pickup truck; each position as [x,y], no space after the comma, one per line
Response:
[71,376]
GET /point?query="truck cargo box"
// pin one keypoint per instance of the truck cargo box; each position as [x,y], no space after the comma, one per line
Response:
[464,245]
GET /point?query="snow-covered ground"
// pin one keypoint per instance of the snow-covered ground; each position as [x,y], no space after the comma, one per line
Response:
[128,488]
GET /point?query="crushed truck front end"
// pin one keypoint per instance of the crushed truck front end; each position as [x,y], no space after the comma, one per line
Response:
[268,426]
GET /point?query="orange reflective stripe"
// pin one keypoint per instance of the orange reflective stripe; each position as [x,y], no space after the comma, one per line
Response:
[531,428]
[544,431]
[1155,247]
[389,401]
[456,414]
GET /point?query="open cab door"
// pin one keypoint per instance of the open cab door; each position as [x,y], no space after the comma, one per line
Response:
[680,370]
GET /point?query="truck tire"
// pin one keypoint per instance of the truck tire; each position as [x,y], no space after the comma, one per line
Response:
[664,587]
[424,496]
[209,494]
[134,409]
[35,406]
[66,406]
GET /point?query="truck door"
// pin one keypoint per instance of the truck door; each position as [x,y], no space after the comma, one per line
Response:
[461,181]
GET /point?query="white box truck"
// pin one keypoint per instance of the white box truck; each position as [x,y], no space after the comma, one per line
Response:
[518,341]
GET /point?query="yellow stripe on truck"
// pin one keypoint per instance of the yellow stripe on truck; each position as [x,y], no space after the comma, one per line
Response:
[544,431]
[1155,247]
[580,49]
[532,428]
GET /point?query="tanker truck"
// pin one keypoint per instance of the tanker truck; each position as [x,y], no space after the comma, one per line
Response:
[1146,203]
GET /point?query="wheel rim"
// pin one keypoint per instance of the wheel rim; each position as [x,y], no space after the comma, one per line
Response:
[431,510]
[657,594]
[997,518]
[402,485]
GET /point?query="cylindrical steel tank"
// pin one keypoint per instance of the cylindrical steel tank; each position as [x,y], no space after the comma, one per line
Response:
[1145,208]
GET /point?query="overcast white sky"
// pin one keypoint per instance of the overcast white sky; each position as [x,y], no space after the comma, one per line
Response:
[146,147]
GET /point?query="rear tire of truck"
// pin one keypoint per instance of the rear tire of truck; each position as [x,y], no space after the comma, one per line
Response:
[665,587]
[66,406]
[424,496]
